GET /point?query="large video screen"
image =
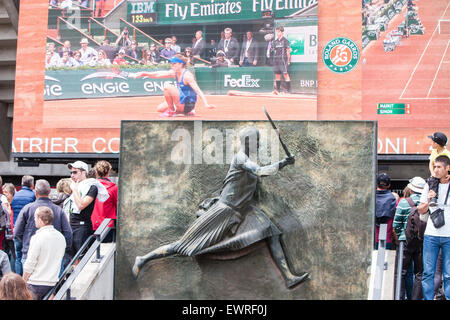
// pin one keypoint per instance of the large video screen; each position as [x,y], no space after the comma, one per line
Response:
[104,62]
[383,60]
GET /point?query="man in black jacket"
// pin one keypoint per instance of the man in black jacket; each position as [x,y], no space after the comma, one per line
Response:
[230,46]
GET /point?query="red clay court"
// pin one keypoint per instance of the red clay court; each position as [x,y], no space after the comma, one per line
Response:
[89,113]
[417,72]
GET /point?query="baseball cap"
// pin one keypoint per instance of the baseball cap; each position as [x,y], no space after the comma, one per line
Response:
[175,59]
[84,40]
[439,138]
[416,184]
[79,165]
[383,180]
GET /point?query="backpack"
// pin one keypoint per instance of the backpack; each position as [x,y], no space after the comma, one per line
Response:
[415,228]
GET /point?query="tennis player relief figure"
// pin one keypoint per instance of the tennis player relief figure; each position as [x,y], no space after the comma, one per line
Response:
[232,221]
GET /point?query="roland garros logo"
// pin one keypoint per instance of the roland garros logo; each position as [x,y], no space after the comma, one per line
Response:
[340,55]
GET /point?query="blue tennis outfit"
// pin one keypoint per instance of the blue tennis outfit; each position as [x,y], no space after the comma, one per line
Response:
[188,96]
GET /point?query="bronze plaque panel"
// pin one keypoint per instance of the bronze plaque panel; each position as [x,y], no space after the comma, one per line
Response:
[323,205]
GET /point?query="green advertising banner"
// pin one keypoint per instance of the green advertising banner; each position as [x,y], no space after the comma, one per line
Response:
[100,83]
[171,12]
[105,83]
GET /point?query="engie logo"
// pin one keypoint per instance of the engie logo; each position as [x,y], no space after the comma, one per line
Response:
[245,81]
[340,55]
[52,89]
[101,87]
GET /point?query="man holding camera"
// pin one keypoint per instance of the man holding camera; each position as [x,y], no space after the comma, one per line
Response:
[437,236]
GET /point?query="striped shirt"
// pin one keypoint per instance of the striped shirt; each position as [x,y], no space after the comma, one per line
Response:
[401,216]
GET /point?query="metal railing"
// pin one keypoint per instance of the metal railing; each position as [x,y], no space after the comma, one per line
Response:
[90,247]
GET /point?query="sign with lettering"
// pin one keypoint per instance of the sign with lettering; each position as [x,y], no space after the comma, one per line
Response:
[202,11]
[142,12]
[393,108]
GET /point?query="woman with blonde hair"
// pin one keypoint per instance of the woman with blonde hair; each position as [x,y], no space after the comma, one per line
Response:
[63,191]
[14,287]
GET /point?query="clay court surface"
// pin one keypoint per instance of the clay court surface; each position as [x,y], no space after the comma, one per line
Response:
[417,72]
[107,113]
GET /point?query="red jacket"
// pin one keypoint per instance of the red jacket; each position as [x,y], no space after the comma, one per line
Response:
[107,209]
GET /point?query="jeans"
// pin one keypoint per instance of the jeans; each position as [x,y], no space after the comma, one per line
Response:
[431,247]
[18,248]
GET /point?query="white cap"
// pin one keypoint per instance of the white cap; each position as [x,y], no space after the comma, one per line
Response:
[79,165]
[84,40]
[416,184]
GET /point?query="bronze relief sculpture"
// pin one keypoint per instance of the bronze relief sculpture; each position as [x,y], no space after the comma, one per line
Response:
[232,221]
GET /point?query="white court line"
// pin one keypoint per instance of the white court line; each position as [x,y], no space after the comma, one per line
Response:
[439,68]
[423,53]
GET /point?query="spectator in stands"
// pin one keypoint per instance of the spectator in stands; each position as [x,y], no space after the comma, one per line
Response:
[25,227]
[221,61]
[23,197]
[111,52]
[198,47]
[436,239]
[189,56]
[175,47]
[99,8]
[134,51]
[107,209]
[51,58]
[151,56]
[13,287]
[77,57]
[64,48]
[212,51]
[412,254]
[124,41]
[249,52]
[5,266]
[120,59]
[66,4]
[385,208]
[6,238]
[67,61]
[167,52]
[47,247]
[82,201]
[230,46]
[102,59]
[88,54]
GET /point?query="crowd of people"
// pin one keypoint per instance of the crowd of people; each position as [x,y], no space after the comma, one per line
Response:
[227,51]
[42,231]
[419,225]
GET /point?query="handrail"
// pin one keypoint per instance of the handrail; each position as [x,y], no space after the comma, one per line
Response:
[114,8]
[153,39]
[55,40]
[142,32]
[78,30]
[92,244]
[105,28]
